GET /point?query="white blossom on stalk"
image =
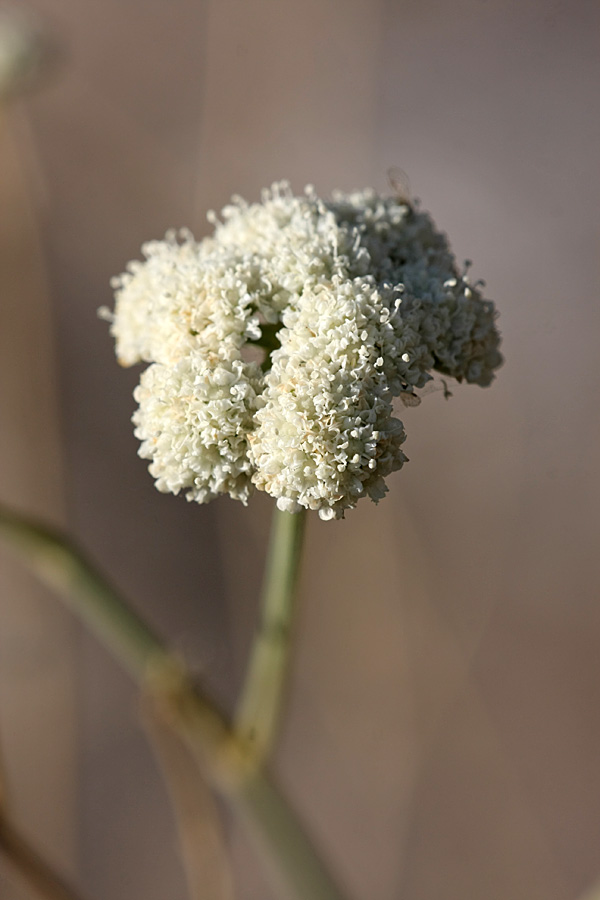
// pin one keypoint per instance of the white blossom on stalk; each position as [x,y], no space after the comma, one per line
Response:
[325,433]
[348,304]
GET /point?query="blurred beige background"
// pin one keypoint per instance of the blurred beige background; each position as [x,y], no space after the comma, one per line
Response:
[443,735]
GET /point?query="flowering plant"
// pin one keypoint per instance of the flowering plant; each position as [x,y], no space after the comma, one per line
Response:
[275,350]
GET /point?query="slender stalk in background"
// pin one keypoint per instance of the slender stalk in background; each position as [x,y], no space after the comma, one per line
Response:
[30,866]
[24,859]
[259,708]
[226,759]
[202,844]
[593,893]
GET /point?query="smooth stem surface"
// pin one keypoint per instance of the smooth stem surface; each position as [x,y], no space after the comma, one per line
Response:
[290,861]
[203,849]
[63,567]
[30,866]
[259,708]
[225,758]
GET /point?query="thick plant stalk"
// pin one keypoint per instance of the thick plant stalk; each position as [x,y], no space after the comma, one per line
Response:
[226,760]
[259,708]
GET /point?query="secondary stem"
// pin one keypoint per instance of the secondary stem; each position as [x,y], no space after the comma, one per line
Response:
[259,708]
[203,851]
[226,759]
[64,567]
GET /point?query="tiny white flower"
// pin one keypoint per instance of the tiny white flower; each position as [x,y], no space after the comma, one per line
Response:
[276,346]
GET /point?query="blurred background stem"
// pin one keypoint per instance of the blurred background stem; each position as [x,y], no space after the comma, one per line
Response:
[225,758]
[199,824]
[24,859]
[31,868]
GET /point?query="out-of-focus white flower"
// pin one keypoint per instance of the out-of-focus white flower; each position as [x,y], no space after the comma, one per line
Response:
[278,344]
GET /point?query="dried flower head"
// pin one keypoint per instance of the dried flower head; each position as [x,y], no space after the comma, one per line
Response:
[277,345]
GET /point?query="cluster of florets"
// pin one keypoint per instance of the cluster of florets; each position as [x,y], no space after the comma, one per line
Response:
[277,345]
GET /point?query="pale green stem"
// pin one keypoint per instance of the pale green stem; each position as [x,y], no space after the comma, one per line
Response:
[259,708]
[63,567]
[226,760]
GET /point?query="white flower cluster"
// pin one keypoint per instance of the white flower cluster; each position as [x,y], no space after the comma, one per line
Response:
[278,344]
